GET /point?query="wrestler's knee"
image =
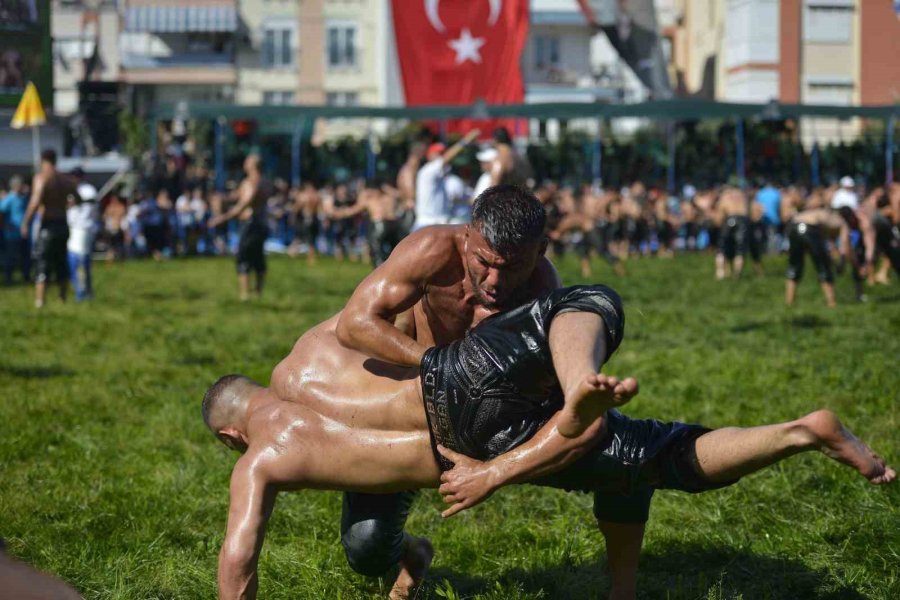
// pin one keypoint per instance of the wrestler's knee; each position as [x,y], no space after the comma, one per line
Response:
[372,547]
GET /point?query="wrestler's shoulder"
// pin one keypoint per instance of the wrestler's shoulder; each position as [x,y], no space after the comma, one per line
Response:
[437,244]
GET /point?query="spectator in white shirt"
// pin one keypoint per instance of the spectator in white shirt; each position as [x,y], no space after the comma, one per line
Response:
[432,201]
[487,158]
[84,221]
[846,195]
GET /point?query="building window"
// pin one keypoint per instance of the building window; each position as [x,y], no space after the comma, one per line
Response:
[276,98]
[828,22]
[278,45]
[829,91]
[341,40]
[341,99]
[546,51]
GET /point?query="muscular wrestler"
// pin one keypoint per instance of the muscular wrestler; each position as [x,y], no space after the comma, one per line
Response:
[884,235]
[307,208]
[382,207]
[731,216]
[592,219]
[437,284]
[476,406]
[50,195]
[252,196]
[757,236]
[406,184]
[808,233]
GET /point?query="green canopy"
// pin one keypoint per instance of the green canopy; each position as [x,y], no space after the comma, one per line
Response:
[678,109]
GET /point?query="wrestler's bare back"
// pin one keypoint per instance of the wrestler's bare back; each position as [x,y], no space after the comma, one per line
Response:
[294,447]
[348,386]
[336,419]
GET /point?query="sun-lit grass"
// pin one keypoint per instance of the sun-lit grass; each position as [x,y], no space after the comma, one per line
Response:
[109,479]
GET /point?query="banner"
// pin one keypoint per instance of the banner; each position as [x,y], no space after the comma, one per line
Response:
[460,52]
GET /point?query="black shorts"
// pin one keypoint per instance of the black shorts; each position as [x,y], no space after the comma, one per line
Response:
[250,254]
[635,458]
[307,230]
[494,389]
[756,241]
[805,239]
[733,236]
[887,240]
[50,254]
[597,240]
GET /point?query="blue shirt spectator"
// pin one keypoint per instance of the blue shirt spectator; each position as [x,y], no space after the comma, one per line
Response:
[12,207]
[151,215]
[770,198]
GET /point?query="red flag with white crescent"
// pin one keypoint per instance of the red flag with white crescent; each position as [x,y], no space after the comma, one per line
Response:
[461,51]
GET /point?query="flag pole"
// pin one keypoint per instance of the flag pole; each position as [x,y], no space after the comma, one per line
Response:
[36,147]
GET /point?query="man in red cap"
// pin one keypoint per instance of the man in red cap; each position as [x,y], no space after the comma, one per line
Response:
[432,201]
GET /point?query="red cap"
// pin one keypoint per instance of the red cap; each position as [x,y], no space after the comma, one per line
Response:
[435,149]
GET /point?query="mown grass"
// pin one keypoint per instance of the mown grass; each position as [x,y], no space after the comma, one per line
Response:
[109,479]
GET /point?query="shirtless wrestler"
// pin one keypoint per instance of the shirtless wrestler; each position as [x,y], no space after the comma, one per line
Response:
[437,283]
[383,208]
[808,232]
[379,429]
[252,195]
[50,194]
[732,217]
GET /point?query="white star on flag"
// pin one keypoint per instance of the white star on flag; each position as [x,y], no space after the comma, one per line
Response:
[466,47]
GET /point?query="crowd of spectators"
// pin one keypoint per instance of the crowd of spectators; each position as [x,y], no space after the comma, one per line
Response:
[167,215]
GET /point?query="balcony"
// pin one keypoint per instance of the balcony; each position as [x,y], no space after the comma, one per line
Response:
[166,43]
[190,68]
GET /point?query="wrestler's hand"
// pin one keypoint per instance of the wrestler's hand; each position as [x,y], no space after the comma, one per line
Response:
[468,483]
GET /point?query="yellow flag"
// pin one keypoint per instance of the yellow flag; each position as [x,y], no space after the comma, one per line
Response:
[30,112]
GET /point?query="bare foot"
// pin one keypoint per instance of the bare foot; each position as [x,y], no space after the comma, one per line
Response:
[413,567]
[594,396]
[837,442]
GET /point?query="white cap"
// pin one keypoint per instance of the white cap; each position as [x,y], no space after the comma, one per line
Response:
[847,181]
[487,155]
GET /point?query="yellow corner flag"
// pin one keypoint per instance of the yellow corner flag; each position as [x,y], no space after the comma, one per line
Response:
[30,112]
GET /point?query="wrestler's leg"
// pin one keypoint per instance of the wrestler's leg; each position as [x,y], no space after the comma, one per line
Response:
[578,348]
[244,286]
[730,453]
[374,541]
[623,551]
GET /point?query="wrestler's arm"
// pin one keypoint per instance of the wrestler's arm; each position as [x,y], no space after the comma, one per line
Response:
[245,197]
[452,152]
[37,192]
[252,501]
[868,233]
[366,324]
[471,482]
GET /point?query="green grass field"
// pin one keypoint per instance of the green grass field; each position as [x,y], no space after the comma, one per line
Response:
[109,479]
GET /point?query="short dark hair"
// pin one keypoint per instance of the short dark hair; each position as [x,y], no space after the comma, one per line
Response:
[215,395]
[49,155]
[508,216]
[501,135]
[882,201]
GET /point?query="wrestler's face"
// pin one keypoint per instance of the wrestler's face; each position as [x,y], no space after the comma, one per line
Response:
[494,277]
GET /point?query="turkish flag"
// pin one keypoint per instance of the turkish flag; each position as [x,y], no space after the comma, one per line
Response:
[460,51]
